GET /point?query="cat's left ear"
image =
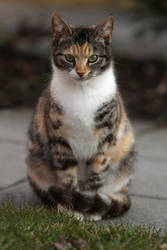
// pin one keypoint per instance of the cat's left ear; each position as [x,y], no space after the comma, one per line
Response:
[105,29]
[60,27]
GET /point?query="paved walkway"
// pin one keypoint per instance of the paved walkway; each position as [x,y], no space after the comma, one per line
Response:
[149,190]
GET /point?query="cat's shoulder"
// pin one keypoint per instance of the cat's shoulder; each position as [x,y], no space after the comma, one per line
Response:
[47,104]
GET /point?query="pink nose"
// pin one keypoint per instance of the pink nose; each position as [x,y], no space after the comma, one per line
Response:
[80,73]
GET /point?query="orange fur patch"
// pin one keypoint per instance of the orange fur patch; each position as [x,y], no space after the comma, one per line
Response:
[123,146]
[42,176]
[45,178]
[39,117]
[121,198]
[81,54]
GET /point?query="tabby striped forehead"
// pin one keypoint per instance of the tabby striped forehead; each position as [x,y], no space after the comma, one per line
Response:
[84,50]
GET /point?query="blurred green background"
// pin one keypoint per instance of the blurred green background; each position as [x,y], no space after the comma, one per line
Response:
[139,47]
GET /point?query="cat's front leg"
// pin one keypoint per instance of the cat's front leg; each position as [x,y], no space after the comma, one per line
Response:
[97,168]
[67,178]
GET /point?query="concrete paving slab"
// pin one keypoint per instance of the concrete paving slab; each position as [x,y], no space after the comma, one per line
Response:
[19,194]
[153,145]
[142,127]
[12,163]
[14,124]
[150,178]
[13,133]
[146,211]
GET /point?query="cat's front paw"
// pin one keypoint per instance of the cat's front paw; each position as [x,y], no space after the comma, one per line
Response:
[93,217]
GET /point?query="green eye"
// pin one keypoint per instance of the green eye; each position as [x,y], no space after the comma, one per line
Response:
[93,58]
[69,58]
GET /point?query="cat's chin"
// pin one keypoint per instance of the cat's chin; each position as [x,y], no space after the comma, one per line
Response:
[80,81]
[77,79]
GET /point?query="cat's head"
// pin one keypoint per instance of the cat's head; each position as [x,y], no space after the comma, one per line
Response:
[82,52]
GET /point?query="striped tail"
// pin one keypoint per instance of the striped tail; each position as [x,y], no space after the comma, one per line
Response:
[97,203]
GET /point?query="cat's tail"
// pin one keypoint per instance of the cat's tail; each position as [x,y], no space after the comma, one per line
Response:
[92,203]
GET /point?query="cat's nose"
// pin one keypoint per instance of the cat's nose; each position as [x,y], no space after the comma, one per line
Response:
[81,73]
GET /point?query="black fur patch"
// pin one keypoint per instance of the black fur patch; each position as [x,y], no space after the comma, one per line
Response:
[67,163]
[83,35]
[60,140]
[105,124]
[95,181]
[105,110]
[108,139]
[43,146]
[56,125]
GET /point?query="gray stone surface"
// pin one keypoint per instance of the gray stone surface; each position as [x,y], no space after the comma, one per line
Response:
[150,177]
[141,127]
[149,189]
[14,125]
[154,148]
[146,211]
[13,133]
[12,166]
[19,193]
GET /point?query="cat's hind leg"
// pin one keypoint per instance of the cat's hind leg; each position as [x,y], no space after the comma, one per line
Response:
[119,205]
[42,178]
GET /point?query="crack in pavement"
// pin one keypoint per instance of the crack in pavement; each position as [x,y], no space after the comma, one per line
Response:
[13,184]
[148,197]
[131,194]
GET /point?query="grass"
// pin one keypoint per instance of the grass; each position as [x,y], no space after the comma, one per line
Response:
[37,228]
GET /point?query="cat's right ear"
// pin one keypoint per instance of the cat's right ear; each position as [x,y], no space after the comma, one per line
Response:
[60,27]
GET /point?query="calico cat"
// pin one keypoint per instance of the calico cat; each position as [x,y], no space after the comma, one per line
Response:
[81,143]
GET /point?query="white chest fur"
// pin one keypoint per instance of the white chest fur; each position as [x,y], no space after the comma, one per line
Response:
[80,100]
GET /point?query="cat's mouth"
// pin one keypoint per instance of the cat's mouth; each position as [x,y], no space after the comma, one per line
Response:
[81,79]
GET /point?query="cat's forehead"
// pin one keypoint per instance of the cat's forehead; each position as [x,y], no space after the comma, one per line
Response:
[80,50]
[82,42]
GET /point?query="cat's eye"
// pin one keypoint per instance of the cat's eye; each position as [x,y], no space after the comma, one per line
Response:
[92,58]
[70,58]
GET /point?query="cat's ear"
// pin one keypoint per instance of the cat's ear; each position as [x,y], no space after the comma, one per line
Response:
[105,29]
[60,27]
